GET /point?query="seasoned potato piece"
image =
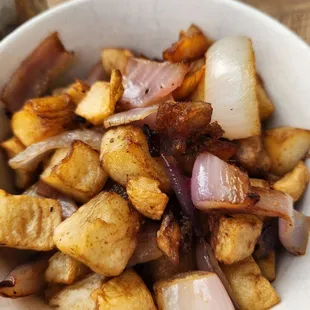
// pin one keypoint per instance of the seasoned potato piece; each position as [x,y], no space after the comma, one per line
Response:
[78,295]
[267,266]
[28,222]
[77,91]
[294,182]
[265,105]
[64,269]
[146,197]
[127,291]
[259,183]
[128,145]
[76,172]
[42,118]
[251,289]
[102,234]
[199,92]
[115,59]
[286,146]
[100,101]
[233,237]
[12,147]
[169,237]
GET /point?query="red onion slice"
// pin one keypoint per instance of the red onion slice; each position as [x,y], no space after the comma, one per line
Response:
[29,158]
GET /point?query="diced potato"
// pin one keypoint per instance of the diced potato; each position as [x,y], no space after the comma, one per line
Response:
[77,91]
[259,183]
[78,295]
[265,105]
[115,59]
[102,234]
[127,291]
[169,237]
[127,145]
[76,172]
[294,182]
[64,269]
[100,101]
[23,178]
[42,118]
[286,146]
[251,289]
[199,92]
[28,222]
[146,197]
[233,237]
[267,266]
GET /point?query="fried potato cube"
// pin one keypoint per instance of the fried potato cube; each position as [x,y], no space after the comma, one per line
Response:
[259,183]
[77,91]
[100,101]
[251,289]
[294,182]
[286,146]
[23,178]
[28,222]
[64,269]
[42,118]
[76,172]
[102,234]
[267,266]
[115,59]
[146,197]
[265,106]
[199,92]
[128,145]
[125,292]
[233,237]
[78,295]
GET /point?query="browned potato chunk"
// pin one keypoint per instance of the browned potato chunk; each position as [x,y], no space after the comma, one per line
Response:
[251,289]
[12,147]
[115,59]
[78,295]
[169,237]
[233,237]
[199,92]
[259,183]
[286,146]
[76,172]
[42,118]
[267,266]
[100,101]
[294,182]
[127,145]
[64,269]
[28,222]
[265,105]
[146,197]
[125,292]
[77,91]
[102,234]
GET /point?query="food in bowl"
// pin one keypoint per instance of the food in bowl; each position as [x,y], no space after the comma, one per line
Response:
[150,183]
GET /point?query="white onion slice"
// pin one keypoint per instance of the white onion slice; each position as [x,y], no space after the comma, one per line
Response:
[195,290]
[29,158]
[230,86]
[129,116]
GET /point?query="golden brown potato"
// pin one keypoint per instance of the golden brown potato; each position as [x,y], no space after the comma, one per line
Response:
[251,289]
[78,295]
[23,178]
[267,266]
[100,101]
[233,237]
[64,269]
[286,146]
[128,145]
[294,182]
[169,237]
[125,292]
[42,118]
[199,92]
[28,222]
[77,91]
[76,172]
[115,59]
[146,197]
[259,183]
[102,234]
[265,105]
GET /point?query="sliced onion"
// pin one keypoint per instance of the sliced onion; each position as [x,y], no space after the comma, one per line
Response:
[230,85]
[129,116]
[146,82]
[29,158]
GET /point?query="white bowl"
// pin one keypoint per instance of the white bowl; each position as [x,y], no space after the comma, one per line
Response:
[86,26]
